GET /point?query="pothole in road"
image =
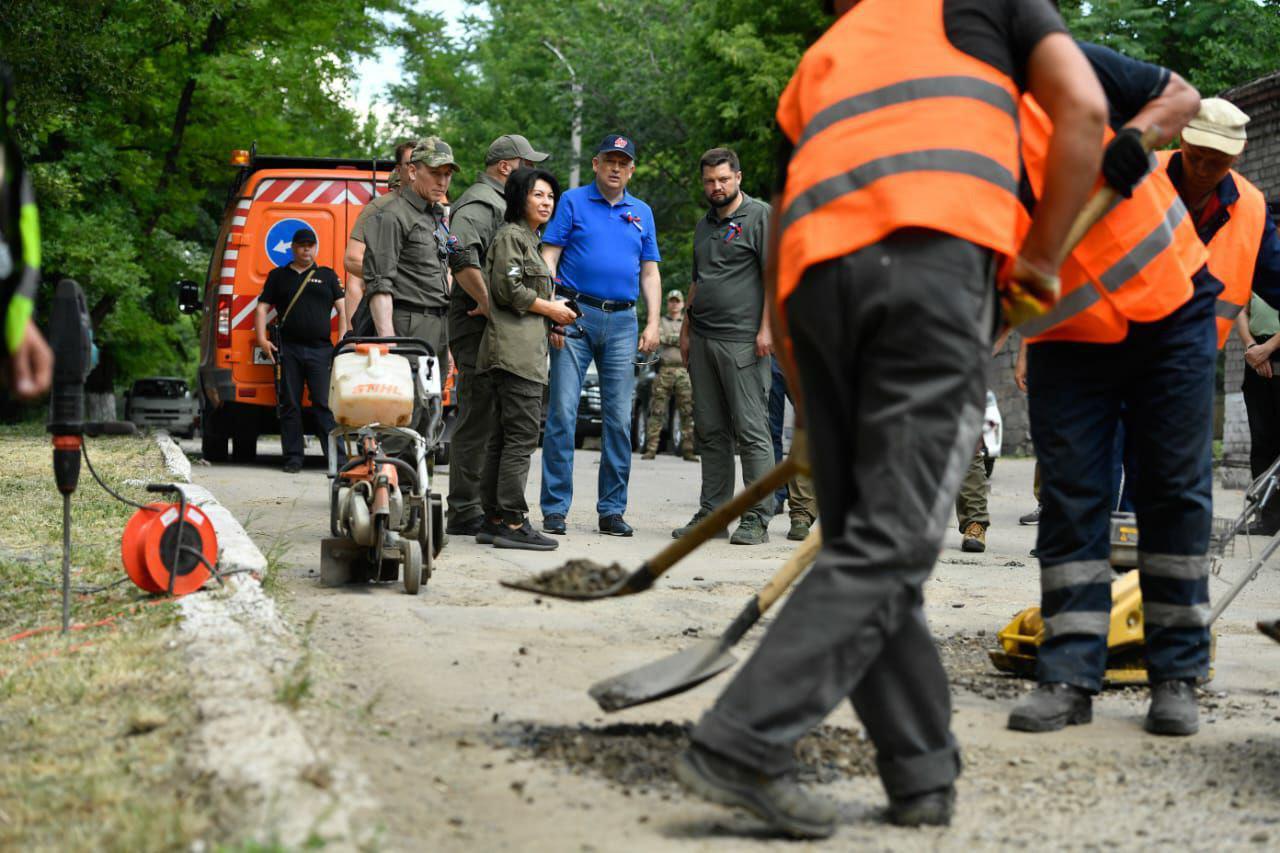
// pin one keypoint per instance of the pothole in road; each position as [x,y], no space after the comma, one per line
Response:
[964,656]
[638,757]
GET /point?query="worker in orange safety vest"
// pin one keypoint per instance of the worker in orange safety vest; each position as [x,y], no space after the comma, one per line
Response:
[898,203]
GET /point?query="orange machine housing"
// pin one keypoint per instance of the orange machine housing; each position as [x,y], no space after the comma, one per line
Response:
[236,388]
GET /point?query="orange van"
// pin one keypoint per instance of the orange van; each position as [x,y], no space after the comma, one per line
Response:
[271,198]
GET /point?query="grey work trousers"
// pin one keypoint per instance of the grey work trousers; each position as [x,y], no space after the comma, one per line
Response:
[730,411]
[892,427]
[475,418]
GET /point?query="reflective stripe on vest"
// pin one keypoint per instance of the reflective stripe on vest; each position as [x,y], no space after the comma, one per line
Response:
[1135,264]
[1233,251]
[862,104]
[1224,310]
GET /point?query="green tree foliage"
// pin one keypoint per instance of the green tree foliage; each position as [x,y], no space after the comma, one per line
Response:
[1214,44]
[127,112]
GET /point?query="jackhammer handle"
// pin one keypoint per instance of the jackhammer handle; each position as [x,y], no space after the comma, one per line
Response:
[795,565]
[1102,201]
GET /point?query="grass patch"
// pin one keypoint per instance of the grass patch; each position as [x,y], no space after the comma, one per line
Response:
[92,725]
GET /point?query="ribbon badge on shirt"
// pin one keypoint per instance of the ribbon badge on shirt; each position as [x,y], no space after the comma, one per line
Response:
[453,245]
[733,232]
[634,220]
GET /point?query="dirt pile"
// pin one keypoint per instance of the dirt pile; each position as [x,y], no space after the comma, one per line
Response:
[576,577]
[638,757]
[964,656]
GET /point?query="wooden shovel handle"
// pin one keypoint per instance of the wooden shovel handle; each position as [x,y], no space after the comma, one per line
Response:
[721,517]
[795,565]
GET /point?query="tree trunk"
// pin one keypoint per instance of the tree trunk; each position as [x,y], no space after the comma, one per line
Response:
[212,37]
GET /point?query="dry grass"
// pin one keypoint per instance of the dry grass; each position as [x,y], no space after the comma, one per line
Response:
[93,725]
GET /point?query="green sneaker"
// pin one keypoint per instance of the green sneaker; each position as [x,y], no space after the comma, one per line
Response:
[750,532]
[799,529]
[693,522]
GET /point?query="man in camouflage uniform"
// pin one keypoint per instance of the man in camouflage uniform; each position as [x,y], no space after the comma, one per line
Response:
[405,274]
[672,376]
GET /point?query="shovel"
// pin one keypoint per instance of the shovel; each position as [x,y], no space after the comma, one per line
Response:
[689,668]
[719,519]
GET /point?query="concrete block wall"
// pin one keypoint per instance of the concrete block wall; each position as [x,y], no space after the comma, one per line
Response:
[1013,403]
[1260,163]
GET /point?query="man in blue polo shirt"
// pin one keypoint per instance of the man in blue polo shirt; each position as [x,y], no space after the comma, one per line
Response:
[603,248]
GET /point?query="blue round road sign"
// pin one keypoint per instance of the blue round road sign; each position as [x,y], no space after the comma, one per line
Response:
[280,239]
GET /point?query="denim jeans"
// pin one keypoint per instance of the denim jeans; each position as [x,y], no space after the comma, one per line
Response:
[610,340]
[1158,382]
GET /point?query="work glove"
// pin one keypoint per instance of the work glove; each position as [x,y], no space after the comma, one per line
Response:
[1125,162]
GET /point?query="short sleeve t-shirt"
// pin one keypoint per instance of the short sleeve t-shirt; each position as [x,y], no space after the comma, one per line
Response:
[603,244]
[1128,83]
[308,322]
[728,272]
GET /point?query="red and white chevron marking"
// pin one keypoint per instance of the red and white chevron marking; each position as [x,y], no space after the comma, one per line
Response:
[314,191]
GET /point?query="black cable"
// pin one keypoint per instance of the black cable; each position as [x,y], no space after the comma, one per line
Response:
[84,450]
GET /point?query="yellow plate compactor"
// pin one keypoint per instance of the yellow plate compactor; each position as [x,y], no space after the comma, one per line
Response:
[1126,659]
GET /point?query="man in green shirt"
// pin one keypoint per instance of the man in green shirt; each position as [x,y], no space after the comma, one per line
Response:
[727,343]
[405,249]
[353,257]
[475,219]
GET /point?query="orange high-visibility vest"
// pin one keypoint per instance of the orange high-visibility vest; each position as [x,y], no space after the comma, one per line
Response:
[893,127]
[1233,251]
[1135,264]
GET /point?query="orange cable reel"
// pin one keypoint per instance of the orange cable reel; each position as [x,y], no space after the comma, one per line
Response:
[149,541]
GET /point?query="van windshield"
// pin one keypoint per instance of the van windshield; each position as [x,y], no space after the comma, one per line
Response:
[166,388]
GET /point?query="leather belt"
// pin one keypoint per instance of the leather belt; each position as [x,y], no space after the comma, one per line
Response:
[421,309]
[606,305]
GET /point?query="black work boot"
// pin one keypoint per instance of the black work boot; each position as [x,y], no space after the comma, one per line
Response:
[932,808]
[777,800]
[1051,707]
[1173,709]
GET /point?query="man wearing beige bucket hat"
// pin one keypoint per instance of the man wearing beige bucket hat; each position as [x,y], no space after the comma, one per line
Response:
[1230,216]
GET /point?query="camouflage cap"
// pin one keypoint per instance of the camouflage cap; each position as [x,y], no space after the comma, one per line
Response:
[393,182]
[433,151]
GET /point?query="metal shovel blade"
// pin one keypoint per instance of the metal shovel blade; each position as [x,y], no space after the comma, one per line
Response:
[673,674]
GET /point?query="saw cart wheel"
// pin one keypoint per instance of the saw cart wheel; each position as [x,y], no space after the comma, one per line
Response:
[436,508]
[411,560]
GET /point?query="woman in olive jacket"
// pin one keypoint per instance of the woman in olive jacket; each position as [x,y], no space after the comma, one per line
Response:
[513,356]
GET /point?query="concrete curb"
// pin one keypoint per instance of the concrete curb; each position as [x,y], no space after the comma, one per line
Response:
[269,783]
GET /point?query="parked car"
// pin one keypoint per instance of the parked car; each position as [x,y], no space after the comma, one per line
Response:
[590,414]
[992,433]
[163,402]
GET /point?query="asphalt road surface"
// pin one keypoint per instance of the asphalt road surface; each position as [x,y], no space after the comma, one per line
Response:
[466,706]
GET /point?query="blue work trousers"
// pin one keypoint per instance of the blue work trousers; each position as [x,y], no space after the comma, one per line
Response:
[1158,382]
[610,340]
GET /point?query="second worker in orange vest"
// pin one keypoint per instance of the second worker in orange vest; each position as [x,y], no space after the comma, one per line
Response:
[1231,218]
[899,203]
[1132,342]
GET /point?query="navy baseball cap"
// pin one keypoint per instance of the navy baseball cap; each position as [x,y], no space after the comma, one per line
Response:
[621,144]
